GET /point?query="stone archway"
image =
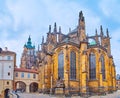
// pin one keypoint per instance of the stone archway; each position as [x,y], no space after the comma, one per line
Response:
[33,87]
[20,85]
[6,93]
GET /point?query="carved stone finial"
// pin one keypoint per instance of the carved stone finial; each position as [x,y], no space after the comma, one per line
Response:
[96,32]
[42,39]
[80,14]
[101,30]
[55,27]
[107,32]
[38,47]
[59,29]
[81,17]
[49,28]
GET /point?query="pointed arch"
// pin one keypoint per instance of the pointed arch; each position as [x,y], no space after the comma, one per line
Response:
[92,66]
[72,65]
[61,65]
[102,66]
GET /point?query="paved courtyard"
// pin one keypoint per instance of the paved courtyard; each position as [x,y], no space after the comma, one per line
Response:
[36,95]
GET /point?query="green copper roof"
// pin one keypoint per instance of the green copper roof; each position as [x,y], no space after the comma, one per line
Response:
[93,43]
[29,44]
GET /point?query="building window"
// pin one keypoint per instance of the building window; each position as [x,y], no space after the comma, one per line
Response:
[16,75]
[102,66]
[34,76]
[61,65]
[92,66]
[8,57]
[9,66]
[28,75]
[7,82]
[22,75]
[72,65]
[8,73]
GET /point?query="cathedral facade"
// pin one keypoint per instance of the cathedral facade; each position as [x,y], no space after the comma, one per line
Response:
[82,63]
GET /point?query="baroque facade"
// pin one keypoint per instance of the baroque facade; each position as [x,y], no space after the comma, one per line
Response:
[83,63]
[7,64]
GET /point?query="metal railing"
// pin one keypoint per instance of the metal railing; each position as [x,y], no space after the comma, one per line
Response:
[83,92]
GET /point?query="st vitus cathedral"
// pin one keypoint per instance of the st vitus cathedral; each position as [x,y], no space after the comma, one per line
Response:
[80,62]
[28,58]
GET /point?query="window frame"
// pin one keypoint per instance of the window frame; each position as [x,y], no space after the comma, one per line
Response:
[61,65]
[22,75]
[103,67]
[92,66]
[72,65]
[34,76]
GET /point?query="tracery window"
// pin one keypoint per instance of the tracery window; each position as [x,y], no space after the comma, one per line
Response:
[61,65]
[73,65]
[92,66]
[102,66]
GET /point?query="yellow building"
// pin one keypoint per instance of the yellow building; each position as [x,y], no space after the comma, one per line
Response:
[26,80]
[76,62]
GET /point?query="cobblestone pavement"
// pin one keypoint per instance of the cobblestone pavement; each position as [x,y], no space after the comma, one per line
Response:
[36,95]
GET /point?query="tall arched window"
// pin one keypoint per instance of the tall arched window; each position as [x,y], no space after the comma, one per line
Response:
[92,66]
[61,65]
[72,65]
[102,66]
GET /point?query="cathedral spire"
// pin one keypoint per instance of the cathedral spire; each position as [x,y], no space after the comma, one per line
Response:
[101,30]
[81,27]
[81,17]
[55,27]
[107,32]
[59,29]
[29,41]
[96,32]
[49,28]
[38,47]
[42,39]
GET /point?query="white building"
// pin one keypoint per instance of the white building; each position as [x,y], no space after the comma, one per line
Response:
[7,64]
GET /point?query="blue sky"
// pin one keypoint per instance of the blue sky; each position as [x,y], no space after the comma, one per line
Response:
[21,18]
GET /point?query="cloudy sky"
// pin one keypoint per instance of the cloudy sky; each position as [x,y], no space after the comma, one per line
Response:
[21,18]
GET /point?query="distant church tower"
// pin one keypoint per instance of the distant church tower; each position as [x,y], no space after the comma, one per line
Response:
[28,56]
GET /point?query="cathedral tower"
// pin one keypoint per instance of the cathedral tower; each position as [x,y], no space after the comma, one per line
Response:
[28,55]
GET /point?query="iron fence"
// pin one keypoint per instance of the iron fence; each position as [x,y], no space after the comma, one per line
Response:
[83,92]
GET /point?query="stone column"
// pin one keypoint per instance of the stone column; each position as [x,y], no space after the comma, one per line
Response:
[27,89]
[84,73]
[17,85]
[66,76]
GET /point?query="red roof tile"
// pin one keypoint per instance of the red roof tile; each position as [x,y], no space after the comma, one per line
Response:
[26,70]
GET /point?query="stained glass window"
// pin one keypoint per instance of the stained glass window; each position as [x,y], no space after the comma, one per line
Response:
[72,65]
[92,66]
[103,66]
[61,65]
